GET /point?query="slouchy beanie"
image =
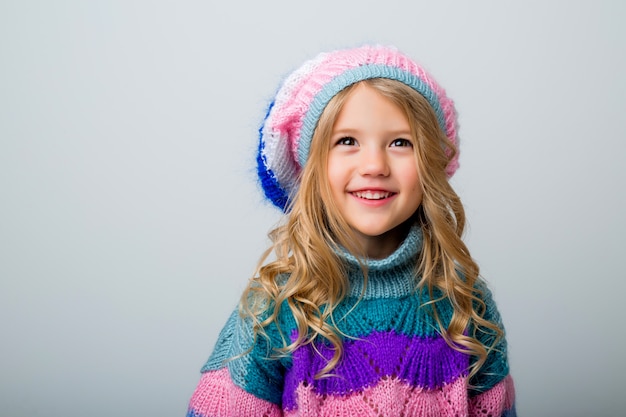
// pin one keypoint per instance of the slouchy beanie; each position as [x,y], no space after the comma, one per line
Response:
[288,127]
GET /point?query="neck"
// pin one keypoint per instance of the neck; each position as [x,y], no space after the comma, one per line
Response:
[381,246]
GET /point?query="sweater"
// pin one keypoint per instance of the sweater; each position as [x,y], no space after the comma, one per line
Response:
[394,363]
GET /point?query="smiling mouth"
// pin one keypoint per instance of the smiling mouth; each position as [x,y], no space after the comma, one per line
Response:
[372,195]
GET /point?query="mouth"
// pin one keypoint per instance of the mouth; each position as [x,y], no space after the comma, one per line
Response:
[372,194]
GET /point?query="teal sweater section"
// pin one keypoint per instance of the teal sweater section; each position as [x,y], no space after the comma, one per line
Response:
[389,302]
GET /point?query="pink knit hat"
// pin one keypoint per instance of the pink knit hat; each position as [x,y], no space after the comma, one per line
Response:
[286,133]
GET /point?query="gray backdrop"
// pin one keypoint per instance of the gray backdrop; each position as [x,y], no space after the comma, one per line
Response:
[130,219]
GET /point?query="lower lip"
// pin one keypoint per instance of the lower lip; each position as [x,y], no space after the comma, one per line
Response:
[374,203]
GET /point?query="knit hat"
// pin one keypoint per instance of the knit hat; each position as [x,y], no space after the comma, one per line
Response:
[286,132]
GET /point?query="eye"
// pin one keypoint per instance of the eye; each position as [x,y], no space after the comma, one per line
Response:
[347,141]
[401,142]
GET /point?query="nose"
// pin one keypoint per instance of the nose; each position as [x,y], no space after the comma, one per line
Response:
[373,162]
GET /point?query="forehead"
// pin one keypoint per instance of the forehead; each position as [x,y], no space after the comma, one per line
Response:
[365,108]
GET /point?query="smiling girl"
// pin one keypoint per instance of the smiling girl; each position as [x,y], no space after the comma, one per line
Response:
[368,302]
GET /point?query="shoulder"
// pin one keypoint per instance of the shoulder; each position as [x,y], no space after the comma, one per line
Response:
[485,303]
[235,338]
[248,357]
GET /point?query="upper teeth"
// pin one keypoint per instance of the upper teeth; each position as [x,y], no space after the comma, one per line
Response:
[372,195]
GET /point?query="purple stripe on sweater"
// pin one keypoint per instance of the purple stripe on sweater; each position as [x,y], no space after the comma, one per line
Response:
[422,362]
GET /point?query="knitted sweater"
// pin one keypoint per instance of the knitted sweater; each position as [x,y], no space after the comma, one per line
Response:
[394,363]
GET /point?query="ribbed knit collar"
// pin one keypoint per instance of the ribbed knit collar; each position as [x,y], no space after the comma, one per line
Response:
[391,277]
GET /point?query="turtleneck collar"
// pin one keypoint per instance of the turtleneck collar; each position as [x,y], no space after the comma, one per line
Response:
[390,277]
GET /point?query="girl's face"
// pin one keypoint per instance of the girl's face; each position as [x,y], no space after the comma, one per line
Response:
[372,170]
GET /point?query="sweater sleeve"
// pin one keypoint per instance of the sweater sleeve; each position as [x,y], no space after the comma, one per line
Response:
[493,391]
[239,379]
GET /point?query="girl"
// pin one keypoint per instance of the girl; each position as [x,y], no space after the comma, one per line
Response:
[368,302]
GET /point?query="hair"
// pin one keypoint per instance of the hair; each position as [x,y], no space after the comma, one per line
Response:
[307,274]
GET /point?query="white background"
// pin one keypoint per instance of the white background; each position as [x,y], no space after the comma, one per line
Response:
[130,218]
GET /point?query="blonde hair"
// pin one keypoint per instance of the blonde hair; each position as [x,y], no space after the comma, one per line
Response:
[306,272]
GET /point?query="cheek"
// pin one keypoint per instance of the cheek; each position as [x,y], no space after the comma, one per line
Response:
[335,175]
[410,177]
[413,184]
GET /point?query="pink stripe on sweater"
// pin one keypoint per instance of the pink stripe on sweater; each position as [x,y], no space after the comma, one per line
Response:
[495,401]
[390,397]
[393,397]
[217,396]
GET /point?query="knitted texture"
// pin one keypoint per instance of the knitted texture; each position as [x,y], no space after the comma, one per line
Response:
[217,396]
[287,131]
[395,362]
